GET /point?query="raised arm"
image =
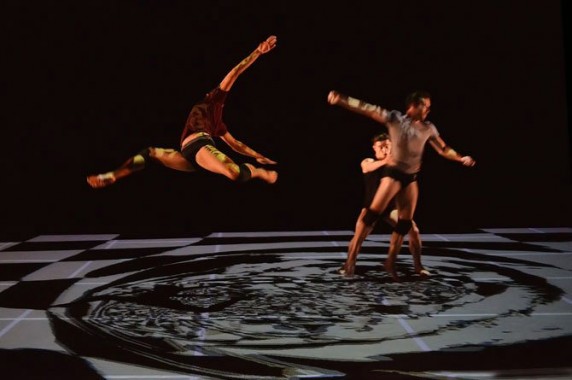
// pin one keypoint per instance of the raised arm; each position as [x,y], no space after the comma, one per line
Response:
[240,147]
[358,106]
[449,153]
[263,48]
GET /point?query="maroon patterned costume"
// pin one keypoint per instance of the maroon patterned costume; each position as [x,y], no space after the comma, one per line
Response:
[205,117]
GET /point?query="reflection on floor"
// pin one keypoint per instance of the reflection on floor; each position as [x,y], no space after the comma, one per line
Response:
[271,305]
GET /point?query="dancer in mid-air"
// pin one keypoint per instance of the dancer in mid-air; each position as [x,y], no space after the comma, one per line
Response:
[409,134]
[198,150]
[373,171]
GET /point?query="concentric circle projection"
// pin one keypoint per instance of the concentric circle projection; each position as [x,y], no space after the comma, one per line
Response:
[289,314]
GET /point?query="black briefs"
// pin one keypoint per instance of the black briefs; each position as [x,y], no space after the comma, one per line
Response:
[404,178]
[190,150]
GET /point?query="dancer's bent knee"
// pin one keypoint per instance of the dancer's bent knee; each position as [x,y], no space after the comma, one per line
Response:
[141,159]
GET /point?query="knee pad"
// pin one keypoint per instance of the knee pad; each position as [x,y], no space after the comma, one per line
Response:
[403,226]
[146,153]
[370,217]
[141,159]
[244,173]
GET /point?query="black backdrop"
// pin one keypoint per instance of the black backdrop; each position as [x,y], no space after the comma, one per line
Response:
[88,83]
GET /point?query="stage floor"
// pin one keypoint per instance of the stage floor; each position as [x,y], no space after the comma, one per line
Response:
[271,305]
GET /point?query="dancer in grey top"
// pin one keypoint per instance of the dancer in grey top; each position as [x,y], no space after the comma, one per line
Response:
[409,134]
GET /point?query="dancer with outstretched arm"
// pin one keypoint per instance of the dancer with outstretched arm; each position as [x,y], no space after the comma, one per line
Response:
[198,150]
[409,133]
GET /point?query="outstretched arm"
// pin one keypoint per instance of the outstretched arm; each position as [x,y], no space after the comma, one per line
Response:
[358,106]
[240,147]
[263,48]
[449,153]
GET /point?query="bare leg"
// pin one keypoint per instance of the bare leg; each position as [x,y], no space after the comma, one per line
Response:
[167,157]
[394,247]
[361,232]
[415,249]
[385,192]
[414,243]
[407,201]
[213,160]
[350,261]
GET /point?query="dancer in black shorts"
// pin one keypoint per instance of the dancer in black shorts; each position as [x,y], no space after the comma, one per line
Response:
[373,170]
[409,133]
[198,150]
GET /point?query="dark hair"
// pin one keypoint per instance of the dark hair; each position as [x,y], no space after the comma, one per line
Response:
[415,98]
[380,137]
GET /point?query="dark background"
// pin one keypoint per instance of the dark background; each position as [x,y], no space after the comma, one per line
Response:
[89,83]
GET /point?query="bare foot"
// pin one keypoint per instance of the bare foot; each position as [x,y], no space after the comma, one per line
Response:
[272,176]
[346,271]
[391,270]
[423,272]
[100,180]
[269,176]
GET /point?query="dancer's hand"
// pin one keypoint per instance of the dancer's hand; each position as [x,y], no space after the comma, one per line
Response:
[468,161]
[265,46]
[265,161]
[333,97]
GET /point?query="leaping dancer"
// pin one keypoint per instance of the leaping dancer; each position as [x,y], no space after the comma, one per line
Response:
[198,150]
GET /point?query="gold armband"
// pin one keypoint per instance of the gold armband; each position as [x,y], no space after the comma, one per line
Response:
[450,152]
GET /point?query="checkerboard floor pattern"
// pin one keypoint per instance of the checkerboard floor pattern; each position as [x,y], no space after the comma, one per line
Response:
[42,271]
